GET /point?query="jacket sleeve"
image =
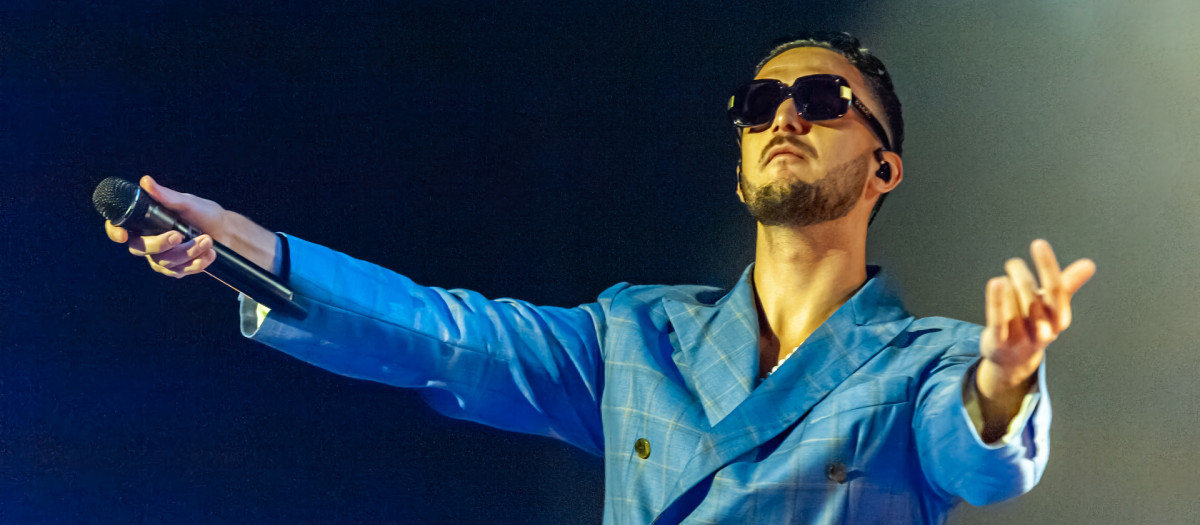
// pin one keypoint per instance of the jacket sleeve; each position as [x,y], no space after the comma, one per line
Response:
[954,457]
[503,363]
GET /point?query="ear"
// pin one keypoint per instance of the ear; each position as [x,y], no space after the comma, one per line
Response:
[739,183]
[896,168]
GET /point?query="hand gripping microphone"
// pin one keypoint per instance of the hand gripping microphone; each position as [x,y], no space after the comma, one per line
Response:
[127,206]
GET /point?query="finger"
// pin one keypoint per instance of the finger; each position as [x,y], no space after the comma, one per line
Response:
[184,253]
[201,263]
[1073,278]
[1021,279]
[996,288]
[160,268]
[1041,323]
[115,233]
[154,244]
[1013,320]
[1049,274]
[168,197]
[195,266]
[1077,274]
[190,267]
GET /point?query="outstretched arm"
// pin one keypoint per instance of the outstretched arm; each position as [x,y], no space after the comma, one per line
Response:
[504,363]
[1022,320]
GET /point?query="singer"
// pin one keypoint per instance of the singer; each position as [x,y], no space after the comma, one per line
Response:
[805,394]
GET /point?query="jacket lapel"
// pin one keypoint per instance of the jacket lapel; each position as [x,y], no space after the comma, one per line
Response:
[855,333]
[717,351]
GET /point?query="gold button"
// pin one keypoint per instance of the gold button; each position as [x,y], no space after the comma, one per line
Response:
[642,447]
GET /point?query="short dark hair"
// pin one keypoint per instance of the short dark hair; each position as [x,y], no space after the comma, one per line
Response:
[872,69]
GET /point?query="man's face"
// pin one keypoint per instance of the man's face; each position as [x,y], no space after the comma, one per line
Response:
[799,173]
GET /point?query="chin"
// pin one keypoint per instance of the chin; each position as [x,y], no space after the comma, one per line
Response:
[784,173]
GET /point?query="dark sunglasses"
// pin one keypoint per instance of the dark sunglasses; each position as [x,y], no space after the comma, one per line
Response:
[817,97]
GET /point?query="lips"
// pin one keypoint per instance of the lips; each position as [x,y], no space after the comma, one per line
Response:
[771,155]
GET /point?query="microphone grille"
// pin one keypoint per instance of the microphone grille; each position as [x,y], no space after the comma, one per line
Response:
[113,197]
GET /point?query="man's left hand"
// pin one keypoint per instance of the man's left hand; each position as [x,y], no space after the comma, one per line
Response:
[1023,318]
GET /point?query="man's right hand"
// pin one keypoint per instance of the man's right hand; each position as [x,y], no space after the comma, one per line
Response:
[166,252]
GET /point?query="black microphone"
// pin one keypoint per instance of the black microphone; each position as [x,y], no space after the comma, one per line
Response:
[127,206]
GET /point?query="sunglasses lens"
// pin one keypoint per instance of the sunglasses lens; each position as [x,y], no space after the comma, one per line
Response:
[820,98]
[754,103]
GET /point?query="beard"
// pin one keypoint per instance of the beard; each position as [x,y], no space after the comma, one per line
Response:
[799,203]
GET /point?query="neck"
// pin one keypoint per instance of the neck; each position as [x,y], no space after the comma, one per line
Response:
[802,276]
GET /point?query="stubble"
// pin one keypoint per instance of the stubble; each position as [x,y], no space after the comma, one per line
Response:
[799,203]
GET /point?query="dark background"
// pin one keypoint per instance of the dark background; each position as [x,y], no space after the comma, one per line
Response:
[546,153]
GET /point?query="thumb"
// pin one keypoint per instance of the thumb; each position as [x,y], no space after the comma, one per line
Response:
[1077,274]
[167,196]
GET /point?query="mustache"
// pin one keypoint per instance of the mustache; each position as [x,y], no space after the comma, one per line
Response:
[790,140]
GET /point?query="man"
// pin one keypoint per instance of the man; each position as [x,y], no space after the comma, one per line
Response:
[804,395]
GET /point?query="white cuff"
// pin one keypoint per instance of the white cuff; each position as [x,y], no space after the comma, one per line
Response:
[252,315]
[975,412]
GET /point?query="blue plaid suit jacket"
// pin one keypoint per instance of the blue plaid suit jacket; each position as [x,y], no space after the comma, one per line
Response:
[863,424]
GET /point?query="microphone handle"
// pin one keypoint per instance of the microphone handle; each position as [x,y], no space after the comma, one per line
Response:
[246,277]
[232,269]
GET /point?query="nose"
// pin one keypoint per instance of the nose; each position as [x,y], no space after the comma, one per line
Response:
[788,120]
